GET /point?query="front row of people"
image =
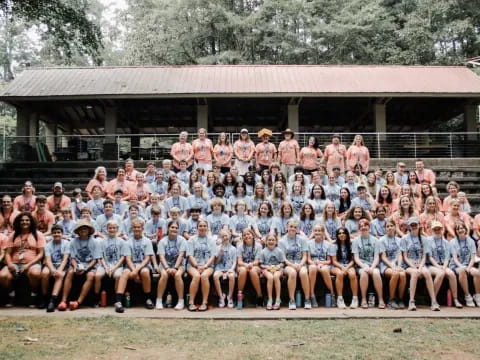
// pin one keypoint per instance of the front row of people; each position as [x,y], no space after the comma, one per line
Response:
[293,256]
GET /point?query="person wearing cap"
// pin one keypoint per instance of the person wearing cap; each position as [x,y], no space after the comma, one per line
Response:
[57,200]
[120,206]
[463,263]
[363,199]
[265,152]
[339,179]
[439,257]
[401,175]
[84,254]
[44,218]
[203,150]
[288,153]
[243,149]
[358,153]
[414,249]
[223,152]
[309,156]
[335,154]
[182,150]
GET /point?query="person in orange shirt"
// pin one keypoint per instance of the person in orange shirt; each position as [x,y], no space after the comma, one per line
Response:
[43,217]
[23,255]
[203,150]
[335,154]
[244,149]
[223,152]
[288,153]
[265,152]
[26,201]
[182,150]
[7,215]
[120,182]
[130,172]
[309,156]
[424,175]
[57,200]
[358,153]
[99,179]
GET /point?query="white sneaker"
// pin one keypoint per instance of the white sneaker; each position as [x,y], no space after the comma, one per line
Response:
[292,305]
[159,304]
[308,304]
[341,303]
[180,305]
[469,301]
[458,304]
[476,297]
[435,306]
[354,303]
[221,301]
[230,302]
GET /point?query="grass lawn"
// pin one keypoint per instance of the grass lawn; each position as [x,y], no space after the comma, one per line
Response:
[116,338]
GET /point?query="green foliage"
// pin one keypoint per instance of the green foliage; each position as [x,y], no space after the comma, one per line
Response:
[301,31]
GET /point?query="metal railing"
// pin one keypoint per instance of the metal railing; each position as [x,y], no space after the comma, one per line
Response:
[157,146]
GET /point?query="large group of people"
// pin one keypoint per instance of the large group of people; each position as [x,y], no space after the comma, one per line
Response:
[233,214]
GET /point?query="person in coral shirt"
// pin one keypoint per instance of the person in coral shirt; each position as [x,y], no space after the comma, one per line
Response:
[7,215]
[203,150]
[43,217]
[26,201]
[223,152]
[265,152]
[424,175]
[288,153]
[358,153]
[182,150]
[120,182]
[99,179]
[57,200]
[244,149]
[309,156]
[335,154]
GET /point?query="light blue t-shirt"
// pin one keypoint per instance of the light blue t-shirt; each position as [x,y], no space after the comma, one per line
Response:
[366,248]
[57,250]
[138,249]
[293,247]
[201,248]
[171,249]
[269,257]
[84,251]
[320,250]
[113,249]
[227,259]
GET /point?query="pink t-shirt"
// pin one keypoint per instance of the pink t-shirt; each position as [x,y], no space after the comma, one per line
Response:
[335,155]
[358,154]
[426,175]
[44,221]
[115,185]
[203,150]
[288,152]
[94,182]
[476,223]
[6,222]
[22,204]
[25,248]
[56,206]
[309,157]
[182,152]
[223,154]
[427,219]
[131,175]
[265,153]
[244,149]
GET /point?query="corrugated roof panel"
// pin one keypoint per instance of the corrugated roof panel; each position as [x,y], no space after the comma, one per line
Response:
[285,80]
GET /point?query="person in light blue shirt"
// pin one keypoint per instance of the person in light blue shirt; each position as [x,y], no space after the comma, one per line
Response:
[225,264]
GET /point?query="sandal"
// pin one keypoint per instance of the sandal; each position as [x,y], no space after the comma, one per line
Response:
[192,307]
[381,305]
[62,306]
[364,305]
[277,305]
[73,305]
[269,305]
[203,307]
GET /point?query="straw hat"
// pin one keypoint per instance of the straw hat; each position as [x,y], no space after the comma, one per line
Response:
[263,132]
[84,223]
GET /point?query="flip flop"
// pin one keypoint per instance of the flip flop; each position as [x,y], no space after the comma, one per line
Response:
[73,305]
[203,307]
[192,307]
[364,305]
[381,305]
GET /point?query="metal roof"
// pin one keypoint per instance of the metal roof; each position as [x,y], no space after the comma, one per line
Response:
[242,81]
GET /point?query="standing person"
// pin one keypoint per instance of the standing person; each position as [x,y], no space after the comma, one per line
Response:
[225,265]
[203,150]
[265,152]
[223,152]
[171,252]
[366,255]
[57,256]
[244,150]
[358,153]
[335,154]
[272,261]
[57,200]
[24,251]
[84,254]
[296,252]
[391,266]
[182,150]
[26,201]
[344,265]
[309,156]
[248,264]
[99,179]
[201,252]
[288,153]
[414,249]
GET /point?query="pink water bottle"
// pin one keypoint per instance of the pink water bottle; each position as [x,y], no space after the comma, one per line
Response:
[449,298]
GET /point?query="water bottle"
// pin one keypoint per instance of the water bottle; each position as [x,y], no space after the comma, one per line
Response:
[128,300]
[449,298]
[328,300]
[168,303]
[371,300]
[240,300]
[103,299]
[298,298]
[188,298]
